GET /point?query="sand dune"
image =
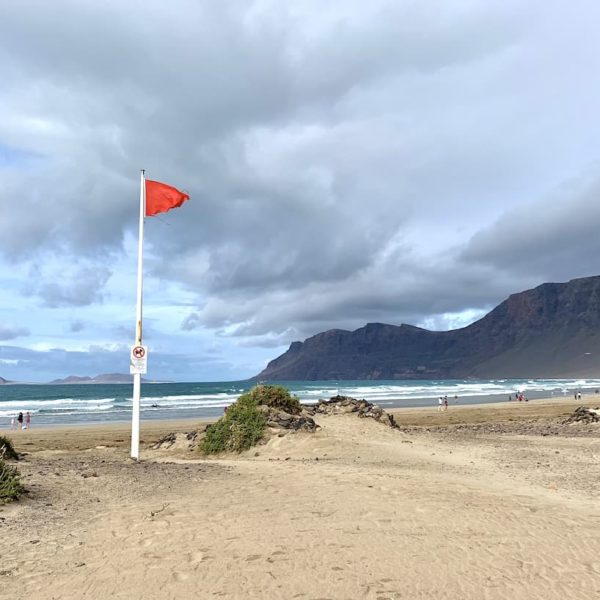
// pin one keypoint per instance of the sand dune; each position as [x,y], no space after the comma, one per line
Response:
[356,510]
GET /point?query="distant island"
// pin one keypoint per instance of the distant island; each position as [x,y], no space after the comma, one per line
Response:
[552,331]
[86,379]
[103,378]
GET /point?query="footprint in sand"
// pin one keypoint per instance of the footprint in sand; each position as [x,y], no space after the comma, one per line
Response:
[178,576]
[152,556]
[253,557]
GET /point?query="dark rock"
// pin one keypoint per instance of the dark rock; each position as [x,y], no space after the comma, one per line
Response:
[585,415]
[279,419]
[166,441]
[344,404]
[188,440]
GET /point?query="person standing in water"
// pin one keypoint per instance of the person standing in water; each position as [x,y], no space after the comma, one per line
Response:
[20,421]
[28,420]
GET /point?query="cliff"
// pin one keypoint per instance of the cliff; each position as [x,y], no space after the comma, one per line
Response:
[550,331]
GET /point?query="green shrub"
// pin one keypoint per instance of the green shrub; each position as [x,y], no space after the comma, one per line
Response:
[275,396]
[240,428]
[10,483]
[7,450]
[243,424]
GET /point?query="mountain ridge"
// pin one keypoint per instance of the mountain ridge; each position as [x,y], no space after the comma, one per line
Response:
[552,330]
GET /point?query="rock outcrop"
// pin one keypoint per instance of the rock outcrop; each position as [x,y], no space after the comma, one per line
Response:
[180,441]
[345,405]
[281,420]
[584,415]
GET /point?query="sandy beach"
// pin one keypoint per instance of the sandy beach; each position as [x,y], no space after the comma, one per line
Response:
[491,501]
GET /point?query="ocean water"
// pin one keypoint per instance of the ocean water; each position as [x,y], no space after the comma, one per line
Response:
[102,403]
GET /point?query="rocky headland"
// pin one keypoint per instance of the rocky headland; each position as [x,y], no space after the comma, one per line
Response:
[550,331]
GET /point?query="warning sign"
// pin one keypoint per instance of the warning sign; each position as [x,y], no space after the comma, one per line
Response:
[138,360]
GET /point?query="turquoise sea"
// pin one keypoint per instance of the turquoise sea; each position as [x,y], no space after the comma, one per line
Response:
[101,403]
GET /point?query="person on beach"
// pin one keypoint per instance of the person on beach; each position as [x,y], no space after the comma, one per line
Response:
[20,420]
[28,420]
[13,423]
[445,402]
[440,404]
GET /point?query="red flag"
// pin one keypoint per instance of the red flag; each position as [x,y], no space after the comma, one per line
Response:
[161,197]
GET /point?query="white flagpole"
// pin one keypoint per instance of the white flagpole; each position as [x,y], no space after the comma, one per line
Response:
[137,378]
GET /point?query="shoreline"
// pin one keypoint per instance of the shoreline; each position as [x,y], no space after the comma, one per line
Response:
[389,405]
[117,434]
[198,402]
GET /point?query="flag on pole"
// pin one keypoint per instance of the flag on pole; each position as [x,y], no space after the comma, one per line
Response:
[161,197]
[155,197]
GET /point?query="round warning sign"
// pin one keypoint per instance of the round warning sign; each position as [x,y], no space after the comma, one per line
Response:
[138,351]
[138,360]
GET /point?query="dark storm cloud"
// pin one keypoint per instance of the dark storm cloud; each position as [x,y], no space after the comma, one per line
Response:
[344,159]
[10,332]
[77,326]
[555,238]
[99,101]
[191,322]
[84,288]
[410,297]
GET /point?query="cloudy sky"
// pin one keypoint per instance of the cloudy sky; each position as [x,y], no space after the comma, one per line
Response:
[348,162]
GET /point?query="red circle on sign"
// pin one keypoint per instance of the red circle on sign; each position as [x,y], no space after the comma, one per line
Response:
[139,352]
